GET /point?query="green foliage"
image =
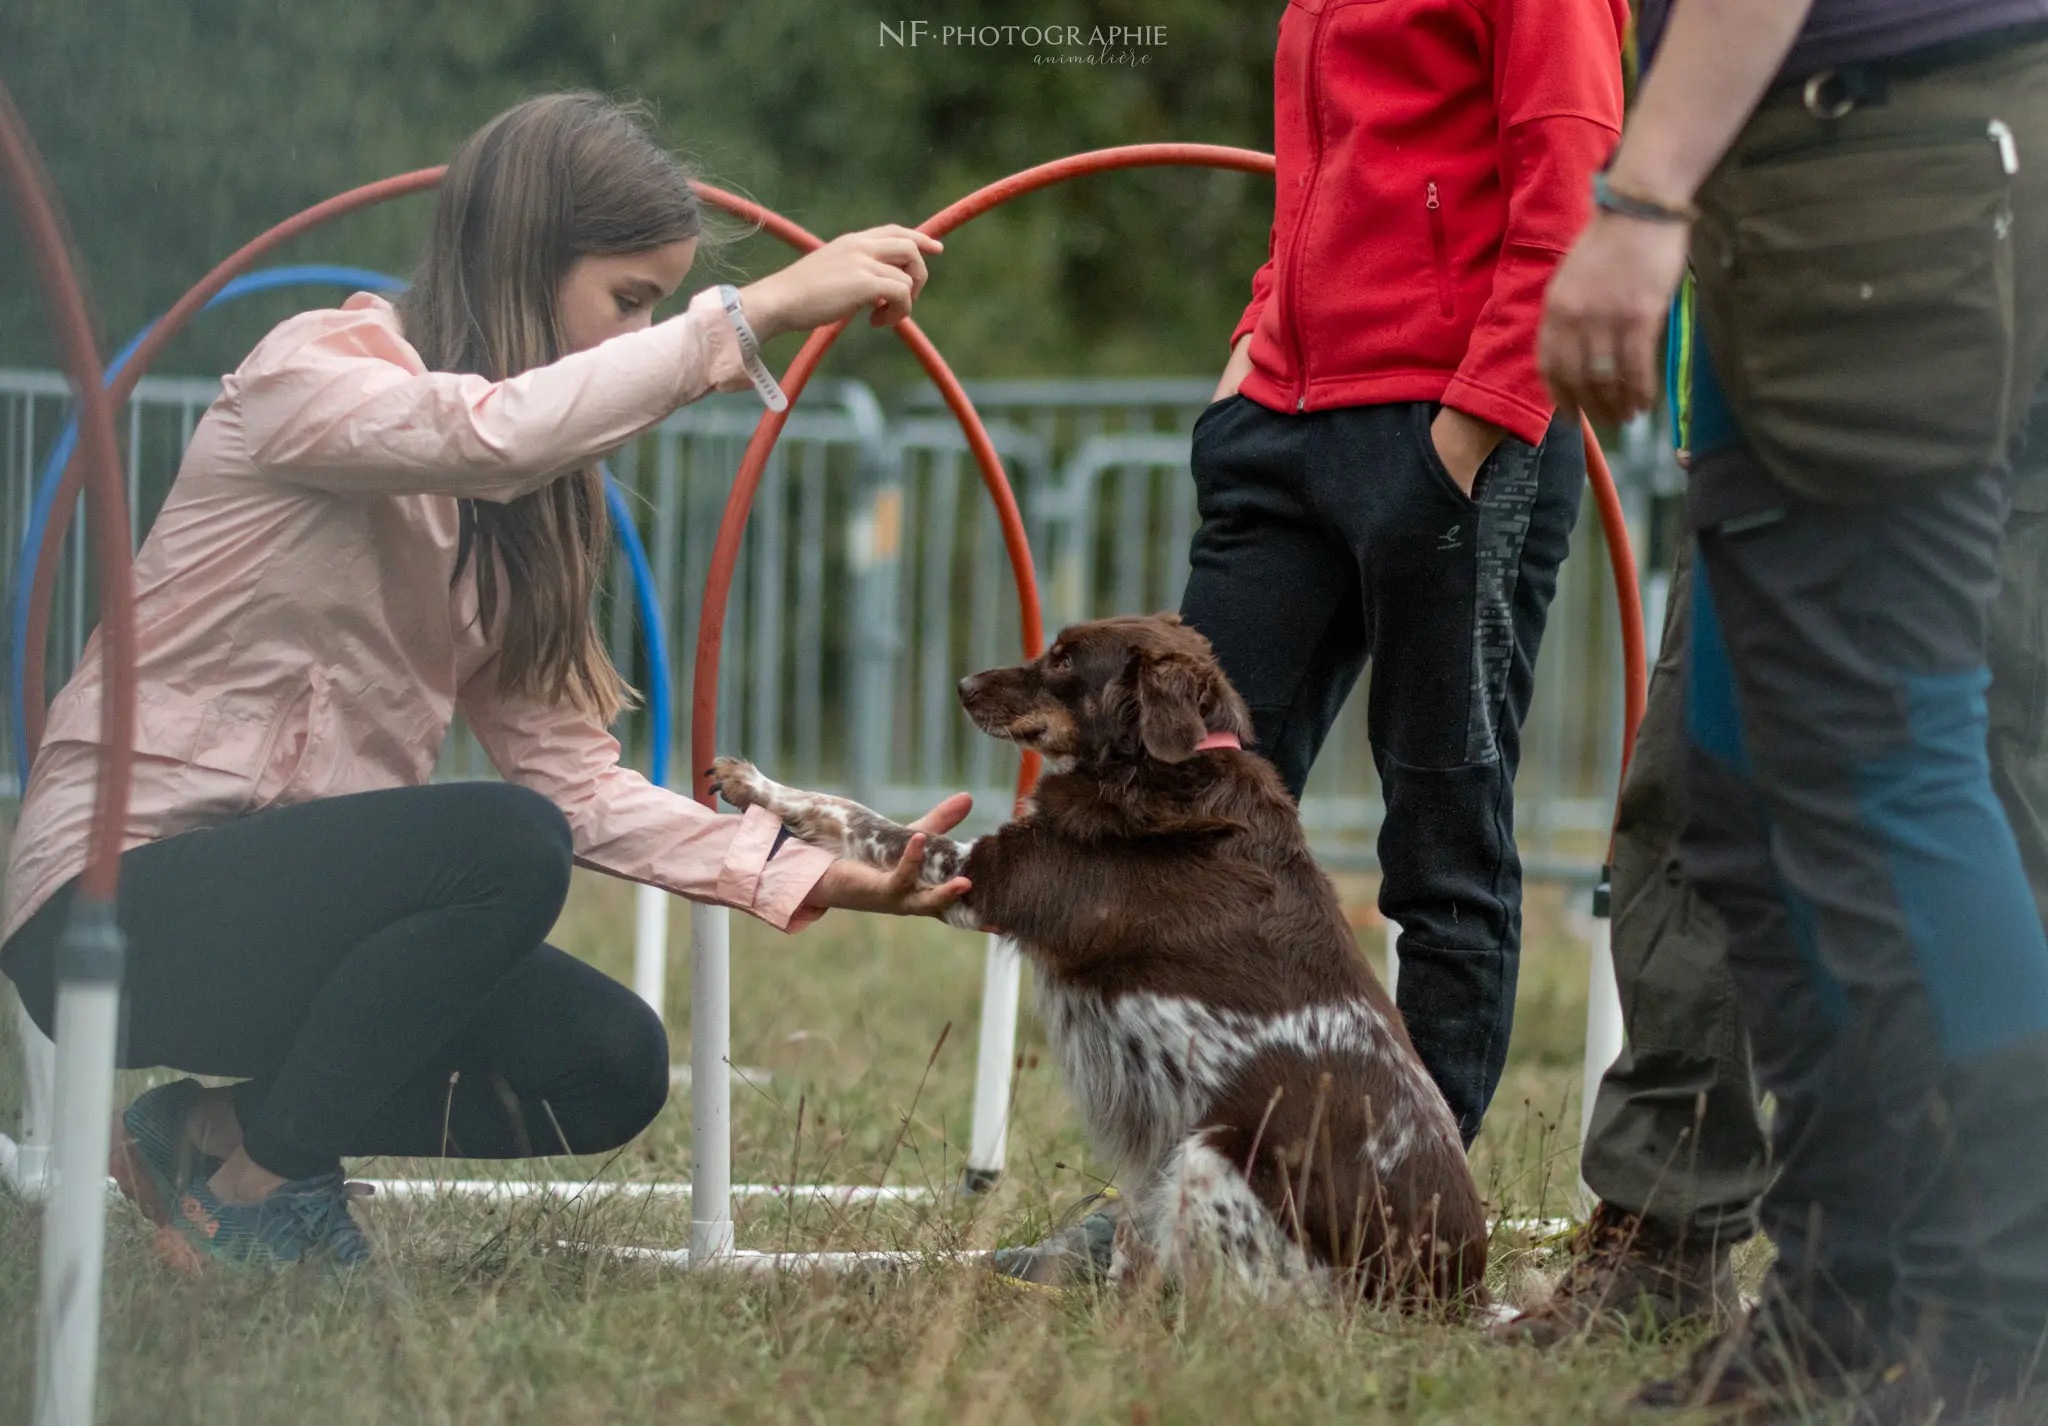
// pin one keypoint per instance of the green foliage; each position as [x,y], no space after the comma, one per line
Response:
[176,130]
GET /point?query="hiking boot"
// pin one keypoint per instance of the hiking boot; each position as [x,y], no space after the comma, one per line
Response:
[1777,1366]
[151,1157]
[1077,1250]
[1627,1273]
[301,1220]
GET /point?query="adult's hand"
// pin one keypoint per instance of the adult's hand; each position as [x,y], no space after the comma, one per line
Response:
[854,886]
[1602,317]
[1597,347]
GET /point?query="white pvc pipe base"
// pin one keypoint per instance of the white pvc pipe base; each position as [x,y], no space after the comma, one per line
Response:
[750,1262]
[995,1061]
[710,1083]
[74,1222]
[28,1175]
[25,1169]
[30,1184]
[403,1189]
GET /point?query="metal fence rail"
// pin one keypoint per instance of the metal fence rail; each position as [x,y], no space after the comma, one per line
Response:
[873,577]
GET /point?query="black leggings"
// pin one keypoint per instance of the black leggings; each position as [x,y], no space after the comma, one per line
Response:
[373,968]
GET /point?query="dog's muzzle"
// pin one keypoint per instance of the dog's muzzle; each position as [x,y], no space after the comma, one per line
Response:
[971,687]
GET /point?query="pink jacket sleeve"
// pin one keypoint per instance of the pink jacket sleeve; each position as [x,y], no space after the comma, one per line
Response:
[338,400]
[625,825]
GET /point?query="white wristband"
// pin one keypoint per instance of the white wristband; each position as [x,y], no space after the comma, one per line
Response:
[750,350]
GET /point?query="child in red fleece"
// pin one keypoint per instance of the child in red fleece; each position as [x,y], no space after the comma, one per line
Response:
[1382,475]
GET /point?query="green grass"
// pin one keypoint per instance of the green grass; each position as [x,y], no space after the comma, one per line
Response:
[866,1028]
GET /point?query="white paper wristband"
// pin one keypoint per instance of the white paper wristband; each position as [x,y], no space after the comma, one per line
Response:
[750,350]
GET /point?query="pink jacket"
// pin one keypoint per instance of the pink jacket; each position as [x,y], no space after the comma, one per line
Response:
[297,635]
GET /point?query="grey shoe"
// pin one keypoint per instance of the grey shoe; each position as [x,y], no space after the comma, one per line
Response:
[1077,1250]
[1626,1272]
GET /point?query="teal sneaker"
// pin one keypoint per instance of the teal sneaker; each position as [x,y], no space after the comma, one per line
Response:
[345,1245]
[1077,1250]
[150,1158]
[303,1219]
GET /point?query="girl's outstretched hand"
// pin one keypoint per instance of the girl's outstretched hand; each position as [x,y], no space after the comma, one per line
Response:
[881,269]
[854,886]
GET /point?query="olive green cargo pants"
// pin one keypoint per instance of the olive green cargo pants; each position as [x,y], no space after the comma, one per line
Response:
[1675,1134]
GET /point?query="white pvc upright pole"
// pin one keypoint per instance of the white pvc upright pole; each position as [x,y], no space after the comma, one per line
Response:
[38,1105]
[1393,957]
[711,1234]
[994,1063]
[650,946]
[74,1222]
[1603,1018]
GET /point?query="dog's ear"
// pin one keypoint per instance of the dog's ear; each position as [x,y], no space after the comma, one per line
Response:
[1180,699]
[1169,707]
[1182,696]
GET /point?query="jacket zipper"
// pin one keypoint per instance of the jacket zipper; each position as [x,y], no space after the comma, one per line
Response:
[1301,226]
[1441,252]
[1962,131]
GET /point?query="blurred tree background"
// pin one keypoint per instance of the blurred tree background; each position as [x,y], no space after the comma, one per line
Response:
[175,130]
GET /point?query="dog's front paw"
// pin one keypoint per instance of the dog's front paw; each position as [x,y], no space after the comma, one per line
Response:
[740,783]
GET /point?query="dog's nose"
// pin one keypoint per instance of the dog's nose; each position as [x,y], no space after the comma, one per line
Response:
[972,685]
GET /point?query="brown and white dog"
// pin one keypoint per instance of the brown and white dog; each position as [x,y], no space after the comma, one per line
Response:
[1230,1049]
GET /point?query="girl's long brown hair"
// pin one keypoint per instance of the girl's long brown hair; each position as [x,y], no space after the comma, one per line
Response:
[543,184]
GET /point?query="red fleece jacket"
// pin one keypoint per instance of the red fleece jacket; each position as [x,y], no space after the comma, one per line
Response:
[1435,160]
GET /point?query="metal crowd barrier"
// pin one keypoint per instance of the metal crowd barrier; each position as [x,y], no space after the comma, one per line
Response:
[873,578]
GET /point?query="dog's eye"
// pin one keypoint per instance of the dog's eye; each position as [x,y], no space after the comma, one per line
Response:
[1058,661]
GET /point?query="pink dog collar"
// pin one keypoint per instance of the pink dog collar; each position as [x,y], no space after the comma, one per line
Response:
[1224,739]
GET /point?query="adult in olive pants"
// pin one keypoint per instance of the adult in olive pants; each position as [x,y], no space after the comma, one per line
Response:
[1864,255]
[1675,1137]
